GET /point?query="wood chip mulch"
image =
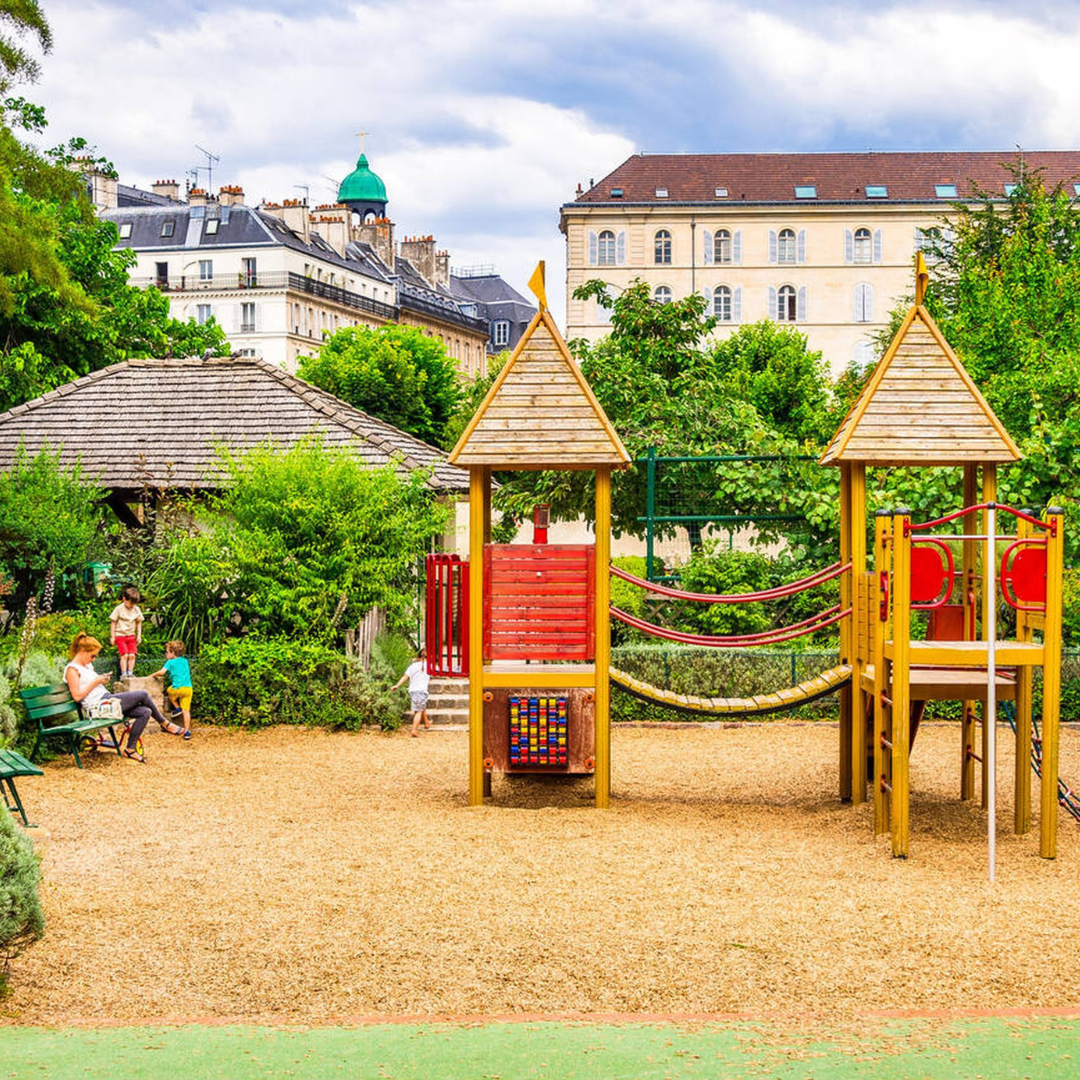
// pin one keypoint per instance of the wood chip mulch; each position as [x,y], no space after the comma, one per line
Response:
[296,876]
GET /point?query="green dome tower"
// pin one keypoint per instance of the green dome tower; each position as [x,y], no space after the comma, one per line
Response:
[363,192]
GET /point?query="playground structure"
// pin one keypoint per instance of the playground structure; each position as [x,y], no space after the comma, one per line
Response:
[537,650]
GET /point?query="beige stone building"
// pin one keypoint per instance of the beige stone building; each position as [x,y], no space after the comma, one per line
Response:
[824,242]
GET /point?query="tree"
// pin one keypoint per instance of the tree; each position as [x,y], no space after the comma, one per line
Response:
[18,18]
[397,373]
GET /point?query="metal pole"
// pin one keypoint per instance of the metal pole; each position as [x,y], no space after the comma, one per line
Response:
[990,718]
[650,510]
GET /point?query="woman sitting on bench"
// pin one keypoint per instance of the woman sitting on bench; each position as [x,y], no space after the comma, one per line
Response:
[88,689]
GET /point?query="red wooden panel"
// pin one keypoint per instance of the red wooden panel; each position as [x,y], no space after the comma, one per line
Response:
[538,601]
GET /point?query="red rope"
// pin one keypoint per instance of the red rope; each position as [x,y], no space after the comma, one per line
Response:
[768,637]
[1048,525]
[777,593]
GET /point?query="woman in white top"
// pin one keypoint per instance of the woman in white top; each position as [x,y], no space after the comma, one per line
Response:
[88,689]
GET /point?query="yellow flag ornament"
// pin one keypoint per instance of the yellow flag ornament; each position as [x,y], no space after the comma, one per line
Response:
[536,283]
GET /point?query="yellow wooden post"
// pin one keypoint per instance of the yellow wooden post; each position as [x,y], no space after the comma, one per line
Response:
[969,595]
[848,695]
[602,693]
[479,493]
[1024,673]
[989,495]
[857,549]
[900,591]
[1048,802]
[877,639]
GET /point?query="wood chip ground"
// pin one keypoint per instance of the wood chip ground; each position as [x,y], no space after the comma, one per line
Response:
[296,876]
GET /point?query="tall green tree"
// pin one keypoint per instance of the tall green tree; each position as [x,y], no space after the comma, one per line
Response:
[397,373]
[20,19]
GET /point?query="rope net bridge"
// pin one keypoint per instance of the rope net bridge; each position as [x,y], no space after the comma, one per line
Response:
[827,682]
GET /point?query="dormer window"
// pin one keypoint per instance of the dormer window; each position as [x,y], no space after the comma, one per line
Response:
[616,192]
[661,192]
[168,227]
[212,226]
[721,193]
[805,191]
[877,191]
[945,191]
[125,230]
[1009,189]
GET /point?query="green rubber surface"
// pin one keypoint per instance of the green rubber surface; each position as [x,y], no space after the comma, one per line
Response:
[983,1049]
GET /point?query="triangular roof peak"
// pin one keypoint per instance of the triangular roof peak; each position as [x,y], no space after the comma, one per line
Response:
[920,407]
[540,413]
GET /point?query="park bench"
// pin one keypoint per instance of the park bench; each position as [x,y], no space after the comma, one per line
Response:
[58,716]
[13,764]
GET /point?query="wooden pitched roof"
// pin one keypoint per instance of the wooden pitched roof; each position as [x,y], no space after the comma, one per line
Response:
[540,413]
[159,422]
[920,407]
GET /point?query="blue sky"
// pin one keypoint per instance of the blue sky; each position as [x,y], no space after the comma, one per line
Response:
[484,116]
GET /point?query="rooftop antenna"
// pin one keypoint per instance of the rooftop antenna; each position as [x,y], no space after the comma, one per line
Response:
[1020,149]
[211,161]
[306,189]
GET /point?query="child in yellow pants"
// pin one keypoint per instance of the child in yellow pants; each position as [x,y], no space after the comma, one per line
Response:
[180,689]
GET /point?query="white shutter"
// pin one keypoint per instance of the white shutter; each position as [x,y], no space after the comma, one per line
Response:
[736,247]
[594,251]
[772,302]
[877,245]
[802,246]
[868,303]
[772,246]
[800,310]
[857,310]
[620,249]
[736,304]
[707,293]
[849,247]
[707,234]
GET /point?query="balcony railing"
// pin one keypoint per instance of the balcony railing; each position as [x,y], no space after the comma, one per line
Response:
[412,302]
[276,279]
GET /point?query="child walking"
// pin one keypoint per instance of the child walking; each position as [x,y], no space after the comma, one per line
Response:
[418,679]
[125,630]
[180,690]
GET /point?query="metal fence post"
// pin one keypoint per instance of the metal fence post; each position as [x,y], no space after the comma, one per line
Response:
[650,510]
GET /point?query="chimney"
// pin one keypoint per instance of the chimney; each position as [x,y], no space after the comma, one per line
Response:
[231,195]
[170,189]
[331,222]
[103,188]
[442,268]
[294,213]
[273,209]
[197,197]
[379,233]
[420,251]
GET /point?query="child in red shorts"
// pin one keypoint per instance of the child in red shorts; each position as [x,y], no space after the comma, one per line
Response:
[125,630]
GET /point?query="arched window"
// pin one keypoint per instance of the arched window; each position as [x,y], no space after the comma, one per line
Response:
[864,247]
[785,251]
[785,303]
[662,248]
[662,294]
[722,246]
[606,248]
[864,302]
[722,303]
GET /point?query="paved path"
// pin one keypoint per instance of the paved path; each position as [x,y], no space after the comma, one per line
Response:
[969,1049]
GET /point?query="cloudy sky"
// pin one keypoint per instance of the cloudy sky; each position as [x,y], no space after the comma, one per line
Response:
[485,114]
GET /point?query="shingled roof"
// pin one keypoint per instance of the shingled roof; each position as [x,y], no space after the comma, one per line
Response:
[159,422]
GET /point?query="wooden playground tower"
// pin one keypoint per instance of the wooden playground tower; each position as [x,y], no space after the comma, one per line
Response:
[535,618]
[921,409]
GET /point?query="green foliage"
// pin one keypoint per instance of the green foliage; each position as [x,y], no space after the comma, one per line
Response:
[397,373]
[301,542]
[21,918]
[66,307]
[260,681]
[49,516]
[19,18]
[770,366]
[473,392]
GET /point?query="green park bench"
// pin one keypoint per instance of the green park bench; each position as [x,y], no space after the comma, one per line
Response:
[13,764]
[58,716]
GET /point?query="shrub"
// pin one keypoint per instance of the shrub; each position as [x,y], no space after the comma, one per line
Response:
[21,917]
[261,681]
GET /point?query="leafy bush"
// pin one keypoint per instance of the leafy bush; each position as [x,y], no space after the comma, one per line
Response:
[21,917]
[261,681]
